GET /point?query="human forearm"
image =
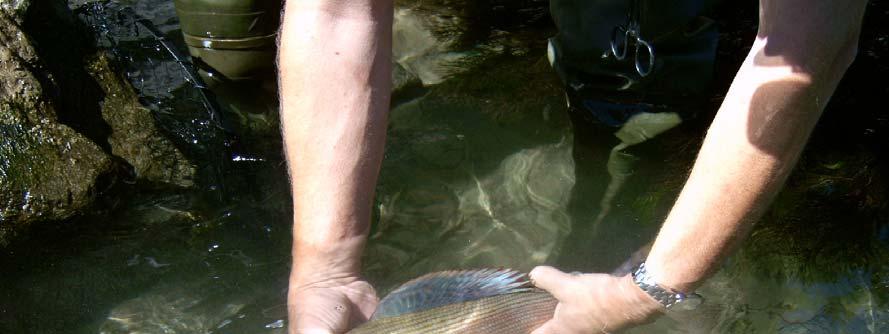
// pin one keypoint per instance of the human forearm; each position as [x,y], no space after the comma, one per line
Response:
[733,180]
[802,50]
[757,135]
[334,80]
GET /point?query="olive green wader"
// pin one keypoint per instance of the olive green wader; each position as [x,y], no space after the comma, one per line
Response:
[232,38]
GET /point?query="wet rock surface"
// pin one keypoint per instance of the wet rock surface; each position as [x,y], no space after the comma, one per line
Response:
[48,171]
[70,125]
[14,9]
[134,136]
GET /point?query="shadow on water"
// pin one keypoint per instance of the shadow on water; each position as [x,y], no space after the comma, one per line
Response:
[481,169]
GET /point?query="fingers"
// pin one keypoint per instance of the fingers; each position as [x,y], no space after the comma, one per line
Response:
[556,327]
[552,280]
[310,331]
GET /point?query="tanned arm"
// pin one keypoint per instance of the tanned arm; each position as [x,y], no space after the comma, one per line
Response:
[334,72]
[801,51]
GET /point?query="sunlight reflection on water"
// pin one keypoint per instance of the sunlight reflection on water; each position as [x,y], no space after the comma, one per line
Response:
[478,172]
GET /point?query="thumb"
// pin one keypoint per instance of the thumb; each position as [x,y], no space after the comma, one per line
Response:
[552,280]
[310,331]
[550,327]
[364,301]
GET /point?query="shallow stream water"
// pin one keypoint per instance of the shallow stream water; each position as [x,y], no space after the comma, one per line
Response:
[483,168]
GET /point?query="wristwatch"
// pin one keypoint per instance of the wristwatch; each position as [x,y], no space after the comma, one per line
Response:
[671,299]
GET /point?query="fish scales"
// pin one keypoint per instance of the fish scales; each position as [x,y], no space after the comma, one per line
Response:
[519,312]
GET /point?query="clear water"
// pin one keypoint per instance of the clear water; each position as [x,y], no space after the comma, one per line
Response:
[481,169]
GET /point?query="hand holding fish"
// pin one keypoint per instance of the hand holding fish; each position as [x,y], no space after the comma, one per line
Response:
[331,306]
[593,303]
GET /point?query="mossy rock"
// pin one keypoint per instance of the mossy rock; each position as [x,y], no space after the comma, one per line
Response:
[47,170]
[14,9]
[134,135]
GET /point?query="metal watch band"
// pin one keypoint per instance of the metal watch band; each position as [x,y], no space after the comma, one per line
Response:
[672,300]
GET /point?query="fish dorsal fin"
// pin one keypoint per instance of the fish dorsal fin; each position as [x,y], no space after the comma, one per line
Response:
[450,287]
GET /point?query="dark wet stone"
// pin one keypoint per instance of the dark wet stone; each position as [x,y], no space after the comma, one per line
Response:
[68,122]
[14,9]
[47,170]
[134,136]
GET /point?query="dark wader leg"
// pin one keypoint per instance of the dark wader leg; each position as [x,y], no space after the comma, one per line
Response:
[590,152]
[612,168]
[630,68]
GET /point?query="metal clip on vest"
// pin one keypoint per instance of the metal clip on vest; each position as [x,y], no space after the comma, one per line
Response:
[621,36]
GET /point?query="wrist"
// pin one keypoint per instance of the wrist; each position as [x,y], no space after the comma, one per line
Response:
[330,261]
[310,279]
[670,298]
[645,307]
[672,280]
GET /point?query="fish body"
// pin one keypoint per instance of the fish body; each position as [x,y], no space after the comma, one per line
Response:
[481,301]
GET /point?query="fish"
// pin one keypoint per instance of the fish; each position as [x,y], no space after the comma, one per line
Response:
[495,301]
